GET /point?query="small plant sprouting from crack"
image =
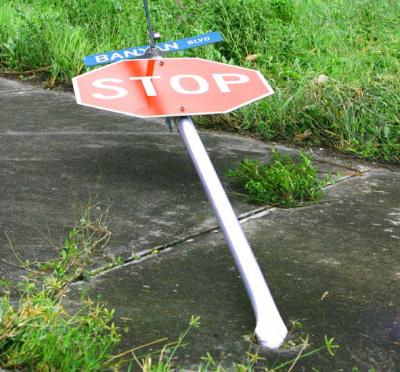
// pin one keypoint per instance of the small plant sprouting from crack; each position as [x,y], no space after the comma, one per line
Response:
[257,360]
[283,182]
[86,239]
[164,361]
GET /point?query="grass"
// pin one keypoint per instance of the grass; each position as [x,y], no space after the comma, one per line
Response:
[39,335]
[280,182]
[333,64]
[36,332]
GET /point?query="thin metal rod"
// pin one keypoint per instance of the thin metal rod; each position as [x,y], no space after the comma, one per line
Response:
[270,328]
[149,26]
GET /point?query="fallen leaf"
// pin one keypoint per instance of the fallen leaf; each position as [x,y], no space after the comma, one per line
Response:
[324,295]
[321,79]
[359,93]
[300,137]
[252,57]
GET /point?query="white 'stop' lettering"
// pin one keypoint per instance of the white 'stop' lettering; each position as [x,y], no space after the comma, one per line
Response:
[119,92]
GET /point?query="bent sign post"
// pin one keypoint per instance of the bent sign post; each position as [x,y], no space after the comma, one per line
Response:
[179,87]
[270,328]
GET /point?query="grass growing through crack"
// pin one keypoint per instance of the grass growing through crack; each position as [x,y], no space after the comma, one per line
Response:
[281,182]
[37,333]
[86,239]
[253,359]
[333,64]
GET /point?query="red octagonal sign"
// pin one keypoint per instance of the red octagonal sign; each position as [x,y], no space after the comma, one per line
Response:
[170,87]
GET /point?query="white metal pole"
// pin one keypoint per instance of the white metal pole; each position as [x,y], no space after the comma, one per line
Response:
[270,328]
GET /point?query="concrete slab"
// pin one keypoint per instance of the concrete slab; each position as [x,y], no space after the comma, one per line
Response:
[332,266]
[9,86]
[56,155]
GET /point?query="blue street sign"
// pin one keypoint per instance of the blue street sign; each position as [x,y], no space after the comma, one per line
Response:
[168,47]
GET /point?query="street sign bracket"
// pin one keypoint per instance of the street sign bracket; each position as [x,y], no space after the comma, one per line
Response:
[149,25]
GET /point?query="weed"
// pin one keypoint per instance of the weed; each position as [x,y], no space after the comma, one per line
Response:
[164,362]
[329,345]
[255,361]
[281,182]
[84,240]
[37,333]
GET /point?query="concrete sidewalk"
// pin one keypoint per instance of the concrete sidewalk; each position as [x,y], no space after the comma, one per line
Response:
[334,266]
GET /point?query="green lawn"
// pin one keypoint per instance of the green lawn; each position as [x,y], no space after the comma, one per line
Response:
[333,64]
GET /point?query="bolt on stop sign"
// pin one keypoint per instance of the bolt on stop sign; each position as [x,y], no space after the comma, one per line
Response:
[170,87]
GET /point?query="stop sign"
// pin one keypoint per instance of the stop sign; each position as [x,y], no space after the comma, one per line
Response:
[170,87]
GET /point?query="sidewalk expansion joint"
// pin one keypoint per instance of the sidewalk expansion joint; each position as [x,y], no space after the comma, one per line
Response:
[20,91]
[244,217]
[146,253]
[81,133]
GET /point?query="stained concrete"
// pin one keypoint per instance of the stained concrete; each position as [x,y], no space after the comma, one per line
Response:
[334,267]
[55,156]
